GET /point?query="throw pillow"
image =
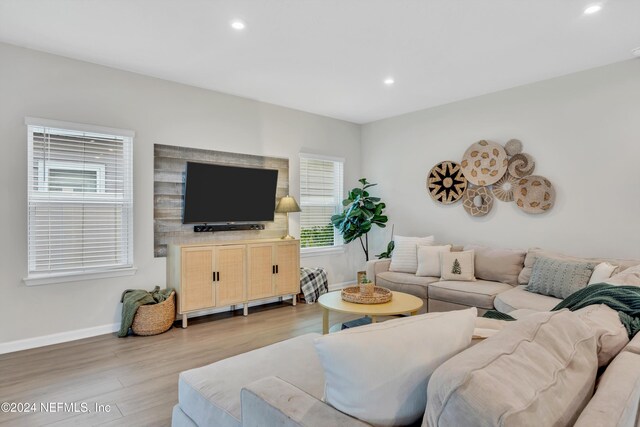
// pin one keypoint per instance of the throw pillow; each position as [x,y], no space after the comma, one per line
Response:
[534,253]
[497,265]
[537,371]
[404,258]
[602,272]
[628,277]
[611,334]
[457,266]
[429,260]
[559,278]
[379,373]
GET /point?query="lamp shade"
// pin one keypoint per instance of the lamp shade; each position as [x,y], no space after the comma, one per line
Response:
[287,204]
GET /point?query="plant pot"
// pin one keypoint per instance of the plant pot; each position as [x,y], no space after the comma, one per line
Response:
[361,275]
[367,288]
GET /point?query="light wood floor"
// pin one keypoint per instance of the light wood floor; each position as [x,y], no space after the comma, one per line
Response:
[138,376]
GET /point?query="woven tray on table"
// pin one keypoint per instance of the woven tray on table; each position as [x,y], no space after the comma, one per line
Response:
[153,319]
[380,295]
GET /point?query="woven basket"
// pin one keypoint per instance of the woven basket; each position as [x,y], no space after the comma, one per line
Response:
[153,319]
[380,295]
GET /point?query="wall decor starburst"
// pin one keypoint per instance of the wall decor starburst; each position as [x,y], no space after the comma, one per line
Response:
[446,183]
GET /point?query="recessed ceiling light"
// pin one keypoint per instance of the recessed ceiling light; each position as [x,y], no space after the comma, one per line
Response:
[237,24]
[594,8]
[636,51]
[389,81]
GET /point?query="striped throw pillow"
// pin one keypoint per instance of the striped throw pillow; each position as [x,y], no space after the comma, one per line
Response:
[404,258]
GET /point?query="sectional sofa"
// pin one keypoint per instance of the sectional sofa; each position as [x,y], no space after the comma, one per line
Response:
[283,384]
[502,276]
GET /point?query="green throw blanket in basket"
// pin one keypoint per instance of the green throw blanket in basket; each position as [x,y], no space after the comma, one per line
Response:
[624,299]
[133,298]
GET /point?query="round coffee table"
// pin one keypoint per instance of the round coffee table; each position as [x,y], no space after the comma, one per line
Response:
[400,303]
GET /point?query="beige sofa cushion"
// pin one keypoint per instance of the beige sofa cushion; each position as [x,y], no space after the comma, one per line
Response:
[480,293]
[406,282]
[616,401]
[498,265]
[377,266]
[274,402]
[519,297]
[634,345]
[522,312]
[210,395]
[537,371]
[628,277]
[534,253]
[611,335]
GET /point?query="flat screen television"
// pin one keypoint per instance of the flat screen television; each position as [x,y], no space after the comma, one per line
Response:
[223,194]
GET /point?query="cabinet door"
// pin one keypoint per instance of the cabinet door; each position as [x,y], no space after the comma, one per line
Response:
[260,271]
[288,268]
[196,289]
[230,266]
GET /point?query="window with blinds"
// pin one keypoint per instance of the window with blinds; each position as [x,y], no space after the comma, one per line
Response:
[321,185]
[80,199]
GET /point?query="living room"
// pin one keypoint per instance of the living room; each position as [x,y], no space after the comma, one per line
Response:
[379,90]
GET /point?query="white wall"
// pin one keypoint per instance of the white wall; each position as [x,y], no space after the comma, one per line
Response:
[583,131]
[48,86]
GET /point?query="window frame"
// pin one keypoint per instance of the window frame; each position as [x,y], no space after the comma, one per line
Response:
[44,177]
[338,246]
[50,277]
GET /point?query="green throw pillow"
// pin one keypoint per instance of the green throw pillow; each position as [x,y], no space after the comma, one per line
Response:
[559,278]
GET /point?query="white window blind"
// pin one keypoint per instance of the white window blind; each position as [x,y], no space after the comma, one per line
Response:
[321,183]
[80,199]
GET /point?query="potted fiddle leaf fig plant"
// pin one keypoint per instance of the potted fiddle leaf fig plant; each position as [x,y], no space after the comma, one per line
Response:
[390,247]
[361,212]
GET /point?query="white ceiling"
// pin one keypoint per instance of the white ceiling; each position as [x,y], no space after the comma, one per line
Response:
[330,56]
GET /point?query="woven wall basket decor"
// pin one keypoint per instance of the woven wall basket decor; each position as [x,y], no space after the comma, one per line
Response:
[477,201]
[513,147]
[504,188]
[446,183]
[521,165]
[534,194]
[484,163]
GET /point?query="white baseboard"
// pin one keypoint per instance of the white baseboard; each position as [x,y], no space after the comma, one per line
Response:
[78,334]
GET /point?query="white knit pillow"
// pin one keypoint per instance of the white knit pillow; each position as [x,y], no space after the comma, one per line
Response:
[404,258]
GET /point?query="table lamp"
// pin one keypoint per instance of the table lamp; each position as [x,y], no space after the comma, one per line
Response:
[286,205]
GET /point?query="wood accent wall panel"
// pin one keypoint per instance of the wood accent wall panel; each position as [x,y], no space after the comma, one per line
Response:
[170,163]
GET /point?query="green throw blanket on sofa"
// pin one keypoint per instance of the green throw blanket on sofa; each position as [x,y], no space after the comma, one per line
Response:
[624,299]
[133,298]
